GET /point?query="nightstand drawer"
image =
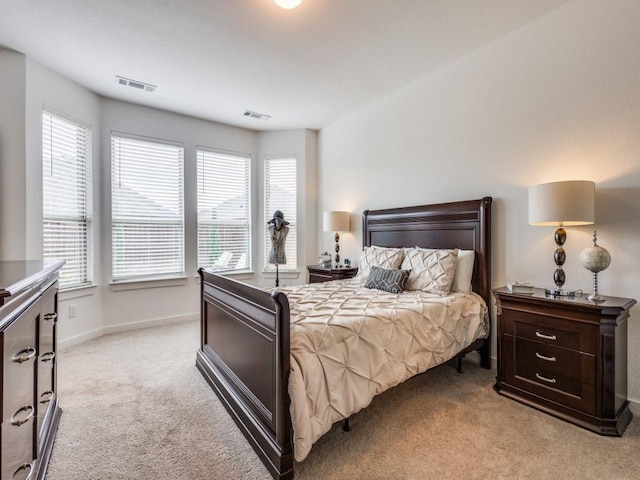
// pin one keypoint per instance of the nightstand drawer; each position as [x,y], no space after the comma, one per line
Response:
[550,362]
[523,370]
[561,390]
[316,277]
[553,331]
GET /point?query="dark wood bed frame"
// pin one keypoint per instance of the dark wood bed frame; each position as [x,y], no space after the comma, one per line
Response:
[244,345]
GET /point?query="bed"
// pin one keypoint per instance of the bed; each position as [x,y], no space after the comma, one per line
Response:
[246,352]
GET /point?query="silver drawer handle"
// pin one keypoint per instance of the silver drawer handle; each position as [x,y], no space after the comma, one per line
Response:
[544,357]
[545,379]
[26,466]
[50,316]
[24,355]
[47,396]
[47,356]
[20,421]
[546,337]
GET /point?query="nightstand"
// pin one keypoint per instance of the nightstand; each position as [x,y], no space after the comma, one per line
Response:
[318,273]
[566,357]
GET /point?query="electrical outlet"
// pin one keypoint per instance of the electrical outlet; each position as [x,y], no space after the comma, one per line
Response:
[72,311]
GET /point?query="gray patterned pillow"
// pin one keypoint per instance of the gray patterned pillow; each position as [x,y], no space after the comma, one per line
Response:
[392,281]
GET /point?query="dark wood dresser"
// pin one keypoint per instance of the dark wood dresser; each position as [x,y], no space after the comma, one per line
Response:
[566,357]
[28,400]
[318,273]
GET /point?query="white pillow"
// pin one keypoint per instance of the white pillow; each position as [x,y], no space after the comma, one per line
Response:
[464,271]
[432,270]
[383,257]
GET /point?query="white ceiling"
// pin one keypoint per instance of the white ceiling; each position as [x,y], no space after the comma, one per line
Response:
[213,59]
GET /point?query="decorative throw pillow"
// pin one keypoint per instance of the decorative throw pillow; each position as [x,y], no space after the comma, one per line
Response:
[374,256]
[432,270]
[464,271]
[393,281]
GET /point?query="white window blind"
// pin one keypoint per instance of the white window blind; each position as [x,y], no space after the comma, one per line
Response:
[66,208]
[224,210]
[147,209]
[280,194]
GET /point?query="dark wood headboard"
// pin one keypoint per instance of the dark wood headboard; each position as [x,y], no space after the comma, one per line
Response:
[465,225]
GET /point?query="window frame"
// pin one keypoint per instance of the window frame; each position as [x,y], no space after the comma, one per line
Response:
[269,209]
[201,156]
[119,276]
[85,189]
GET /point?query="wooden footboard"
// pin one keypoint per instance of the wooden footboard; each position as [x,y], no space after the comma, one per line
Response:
[244,355]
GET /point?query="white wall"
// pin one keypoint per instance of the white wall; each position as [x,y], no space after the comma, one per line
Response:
[27,87]
[168,301]
[557,99]
[175,301]
[102,308]
[13,194]
[301,144]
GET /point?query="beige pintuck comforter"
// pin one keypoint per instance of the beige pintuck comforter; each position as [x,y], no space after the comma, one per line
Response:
[350,343]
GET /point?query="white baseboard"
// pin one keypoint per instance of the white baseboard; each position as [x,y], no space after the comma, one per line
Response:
[83,337]
[124,327]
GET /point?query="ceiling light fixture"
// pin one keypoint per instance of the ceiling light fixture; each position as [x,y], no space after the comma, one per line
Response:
[288,4]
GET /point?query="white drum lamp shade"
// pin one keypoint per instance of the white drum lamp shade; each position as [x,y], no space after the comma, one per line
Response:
[562,204]
[336,222]
[567,204]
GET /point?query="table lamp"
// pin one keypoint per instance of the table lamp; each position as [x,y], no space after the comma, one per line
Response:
[561,204]
[336,222]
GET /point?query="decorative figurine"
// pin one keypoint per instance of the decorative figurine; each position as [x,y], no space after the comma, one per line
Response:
[595,259]
[278,231]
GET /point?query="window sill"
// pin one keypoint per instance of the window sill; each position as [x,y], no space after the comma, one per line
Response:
[139,284]
[77,292]
[242,274]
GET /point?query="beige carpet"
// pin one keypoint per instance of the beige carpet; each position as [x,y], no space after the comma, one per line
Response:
[135,407]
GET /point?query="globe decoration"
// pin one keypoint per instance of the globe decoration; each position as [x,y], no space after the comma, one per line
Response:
[595,259]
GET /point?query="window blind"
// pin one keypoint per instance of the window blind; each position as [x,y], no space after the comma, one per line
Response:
[66,194]
[147,209]
[280,194]
[224,210]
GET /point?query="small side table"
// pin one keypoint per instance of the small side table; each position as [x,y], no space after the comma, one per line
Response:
[566,357]
[318,273]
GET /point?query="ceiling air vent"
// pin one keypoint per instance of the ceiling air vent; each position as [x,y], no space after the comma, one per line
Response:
[127,82]
[259,116]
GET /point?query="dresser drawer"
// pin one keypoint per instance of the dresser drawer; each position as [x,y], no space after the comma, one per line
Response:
[551,330]
[20,452]
[19,361]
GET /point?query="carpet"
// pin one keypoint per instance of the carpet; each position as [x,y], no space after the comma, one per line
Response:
[135,407]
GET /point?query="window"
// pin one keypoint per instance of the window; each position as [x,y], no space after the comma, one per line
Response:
[224,210]
[147,209]
[66,206]
[280,194]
